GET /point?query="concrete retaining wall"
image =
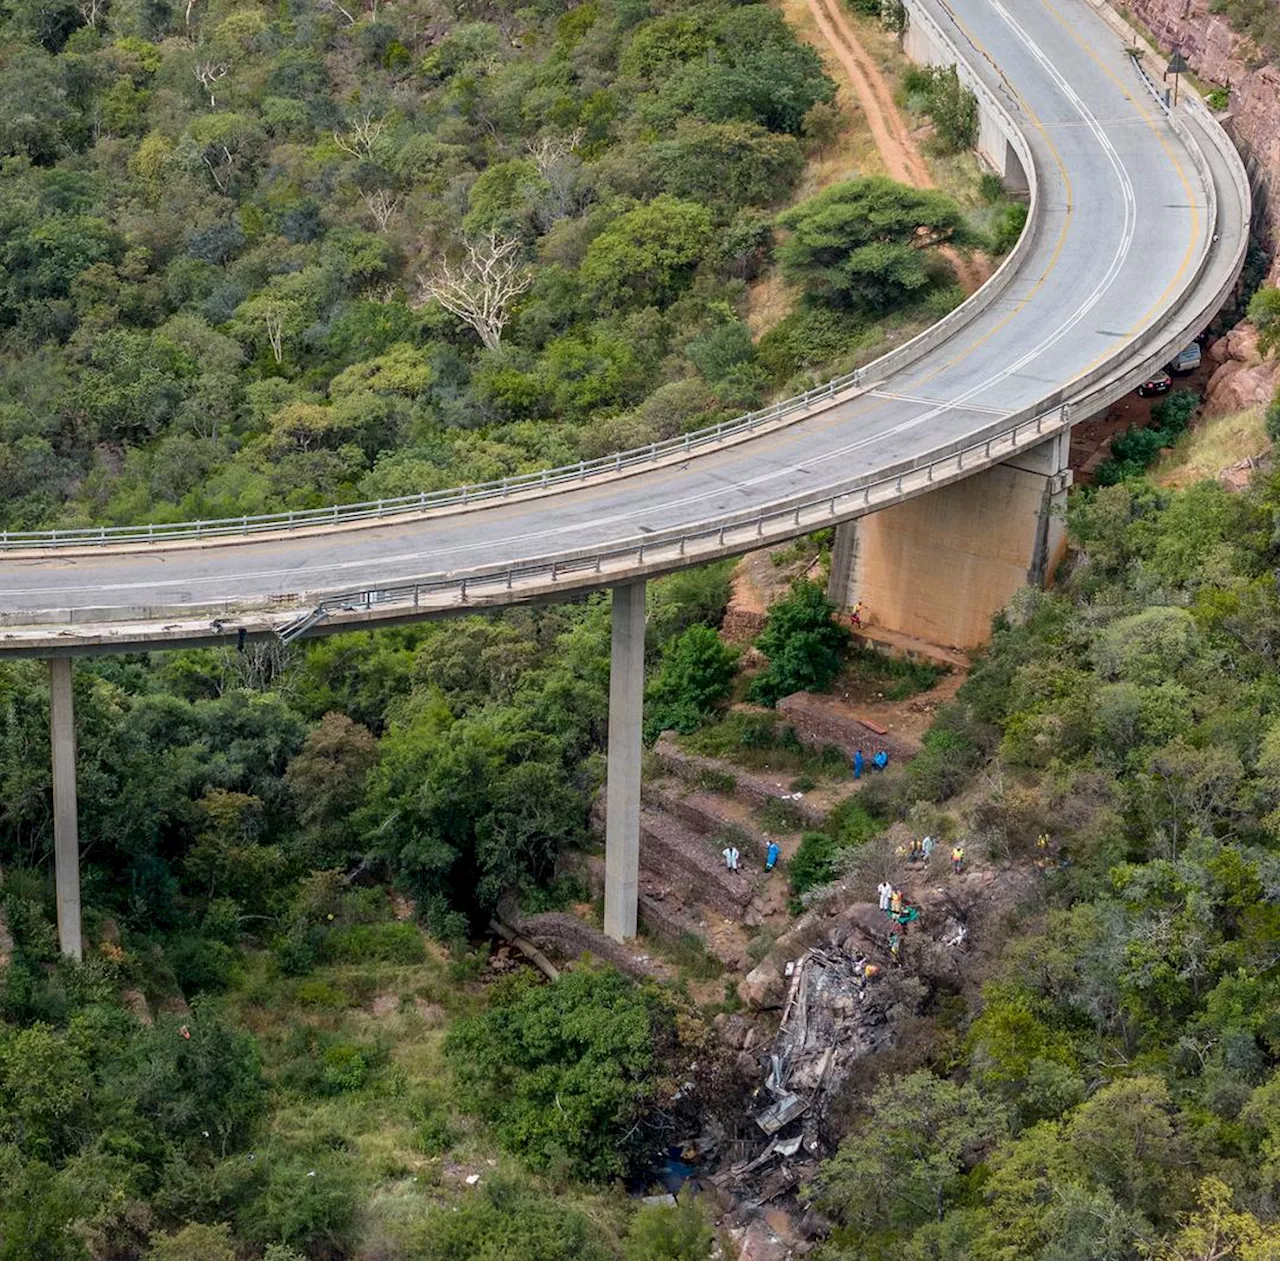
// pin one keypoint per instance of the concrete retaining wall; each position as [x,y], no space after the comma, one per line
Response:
[924,44]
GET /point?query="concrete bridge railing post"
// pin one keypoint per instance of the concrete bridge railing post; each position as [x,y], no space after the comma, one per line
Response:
[66,838]
[626,713]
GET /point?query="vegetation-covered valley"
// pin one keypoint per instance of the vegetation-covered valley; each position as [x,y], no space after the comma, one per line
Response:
[241,252]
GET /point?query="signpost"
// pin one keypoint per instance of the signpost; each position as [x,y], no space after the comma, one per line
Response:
[1177,64]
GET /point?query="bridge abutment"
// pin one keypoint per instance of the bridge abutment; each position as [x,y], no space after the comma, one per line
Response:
[940,566]
[626,714]
[66,837]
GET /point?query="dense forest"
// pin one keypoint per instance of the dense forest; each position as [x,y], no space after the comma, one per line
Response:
[241,248]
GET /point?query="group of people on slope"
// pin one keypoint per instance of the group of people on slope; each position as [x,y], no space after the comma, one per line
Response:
[732,857]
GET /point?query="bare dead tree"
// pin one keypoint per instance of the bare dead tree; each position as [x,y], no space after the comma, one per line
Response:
[90,11]
[546,151]
[382,204]
[209,73]
[191,5]
[360,137]
[331,6]
[554,157]
[481,289]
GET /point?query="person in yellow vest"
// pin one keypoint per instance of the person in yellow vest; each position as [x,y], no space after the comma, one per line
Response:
[957,857]
[895,902]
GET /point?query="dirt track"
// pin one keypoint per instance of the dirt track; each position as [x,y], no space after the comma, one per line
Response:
[898,149]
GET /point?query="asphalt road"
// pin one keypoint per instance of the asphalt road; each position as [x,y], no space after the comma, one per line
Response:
[1124,220]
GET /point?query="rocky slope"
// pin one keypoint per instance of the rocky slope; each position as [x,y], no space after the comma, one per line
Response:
[1217,54]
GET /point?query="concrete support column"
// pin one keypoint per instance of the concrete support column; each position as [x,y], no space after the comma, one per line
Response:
[66,838]
[938,567]
[626,713]
[843,552]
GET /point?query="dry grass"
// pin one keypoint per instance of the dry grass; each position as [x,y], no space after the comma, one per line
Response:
[1212,446]
[854,151]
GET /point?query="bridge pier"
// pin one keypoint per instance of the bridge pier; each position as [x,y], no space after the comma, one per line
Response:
[940,566]
[66,839]
[626,712]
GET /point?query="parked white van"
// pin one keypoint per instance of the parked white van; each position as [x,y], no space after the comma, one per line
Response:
[1186,360]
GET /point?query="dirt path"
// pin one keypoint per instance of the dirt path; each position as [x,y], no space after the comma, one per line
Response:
[898,148]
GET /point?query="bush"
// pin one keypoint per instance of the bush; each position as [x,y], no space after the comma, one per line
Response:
[807,338]
[381,943]
[814,863]
[307,1200]
[503,1219]
[695,676]
[952,106]
[1273,419]
[802,642]
[1008,227]
[678,1232]
[563,1072]
[1136,449]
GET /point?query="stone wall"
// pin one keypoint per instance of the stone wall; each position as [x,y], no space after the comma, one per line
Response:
[755,790]
[565,937]
[818,722]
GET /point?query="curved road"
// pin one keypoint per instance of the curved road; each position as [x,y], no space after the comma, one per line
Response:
[1124,220]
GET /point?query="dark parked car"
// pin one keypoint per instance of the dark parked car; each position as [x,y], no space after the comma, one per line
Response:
[1158,384]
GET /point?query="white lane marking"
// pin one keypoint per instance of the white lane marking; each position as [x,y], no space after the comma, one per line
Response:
[937,402]
[1091,300]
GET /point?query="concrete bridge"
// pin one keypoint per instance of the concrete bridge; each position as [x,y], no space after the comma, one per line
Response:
[942,463]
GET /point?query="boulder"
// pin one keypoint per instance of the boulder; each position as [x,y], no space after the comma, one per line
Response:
[1236,386]
[764,987]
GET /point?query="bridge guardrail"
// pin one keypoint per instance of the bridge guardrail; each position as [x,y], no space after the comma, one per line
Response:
[583,568]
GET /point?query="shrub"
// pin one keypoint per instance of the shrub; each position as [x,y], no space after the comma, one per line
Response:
[678,1232]
[563,1072]
[949,103]
[1008,227]
[382,943]
[695,676]
[506,1218]
[813,864]
[1273,419]
[307,1200]
[802,644]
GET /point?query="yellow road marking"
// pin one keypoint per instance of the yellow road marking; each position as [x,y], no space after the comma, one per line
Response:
[1169,153]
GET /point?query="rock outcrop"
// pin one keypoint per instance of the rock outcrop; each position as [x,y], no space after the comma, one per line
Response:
[1242,378]
[1218,54]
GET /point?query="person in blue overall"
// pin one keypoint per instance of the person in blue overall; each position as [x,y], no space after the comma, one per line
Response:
[857,763]
[771,856]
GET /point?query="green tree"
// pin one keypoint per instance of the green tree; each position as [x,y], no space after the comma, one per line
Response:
[865,244]
[696,674]
[728,165]
[327,781]
[1219,1230]
[648,253]
[802,642]
[467,808]
[564,1071]
[908,1162]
